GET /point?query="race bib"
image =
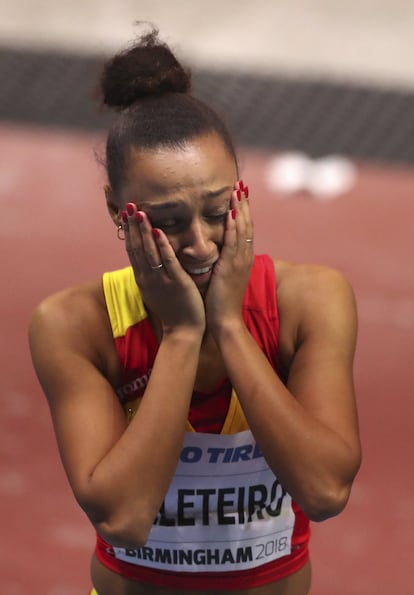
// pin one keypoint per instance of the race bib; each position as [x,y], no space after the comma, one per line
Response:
[224,511]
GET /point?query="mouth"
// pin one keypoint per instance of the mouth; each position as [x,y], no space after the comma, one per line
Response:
[200,271]
[201,275]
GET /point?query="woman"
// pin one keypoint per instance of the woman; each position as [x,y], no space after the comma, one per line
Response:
[202,397]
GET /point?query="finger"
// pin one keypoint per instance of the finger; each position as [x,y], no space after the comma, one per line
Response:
[234,225]
[229,247]
[152,257]
[241,219]
[133,238]
[244,219]
[168,257]
[239,185]
[132,233]
[140,243]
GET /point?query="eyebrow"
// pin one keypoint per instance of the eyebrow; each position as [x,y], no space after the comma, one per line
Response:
[215,193]
[173,204]
[160,206]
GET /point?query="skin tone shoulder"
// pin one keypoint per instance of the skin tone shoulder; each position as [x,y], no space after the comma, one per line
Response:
[183,208]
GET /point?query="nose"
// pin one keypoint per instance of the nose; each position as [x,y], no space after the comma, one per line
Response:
[197,241]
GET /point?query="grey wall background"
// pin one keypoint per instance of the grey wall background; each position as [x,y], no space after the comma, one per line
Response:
[368,40]
[321,76]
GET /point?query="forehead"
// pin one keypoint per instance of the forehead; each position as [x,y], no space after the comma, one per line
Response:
[203,162]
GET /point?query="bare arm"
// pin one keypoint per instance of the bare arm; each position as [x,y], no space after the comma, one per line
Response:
[308,429]
[119,473]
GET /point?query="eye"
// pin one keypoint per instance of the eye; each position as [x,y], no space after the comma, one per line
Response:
[167,223]
[171,225]
[217,216]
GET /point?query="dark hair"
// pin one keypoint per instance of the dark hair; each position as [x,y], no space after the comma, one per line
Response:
[151,91]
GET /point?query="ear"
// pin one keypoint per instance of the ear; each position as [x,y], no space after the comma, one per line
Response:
[112,206]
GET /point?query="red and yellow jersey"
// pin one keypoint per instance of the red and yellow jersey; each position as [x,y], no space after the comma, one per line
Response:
[226,521]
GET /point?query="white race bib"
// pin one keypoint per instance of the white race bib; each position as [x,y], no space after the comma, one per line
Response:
[224,510]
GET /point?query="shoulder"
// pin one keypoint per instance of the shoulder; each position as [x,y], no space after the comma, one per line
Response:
[315,303]
[72,304]
[310,285]
[75,317]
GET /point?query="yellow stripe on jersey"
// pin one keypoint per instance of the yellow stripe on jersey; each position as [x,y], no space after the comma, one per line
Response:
[126,308]
[235,419]
[123,300]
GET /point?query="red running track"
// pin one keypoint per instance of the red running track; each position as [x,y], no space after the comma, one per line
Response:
[54,232]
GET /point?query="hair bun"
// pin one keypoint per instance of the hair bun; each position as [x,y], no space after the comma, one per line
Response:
[147,68]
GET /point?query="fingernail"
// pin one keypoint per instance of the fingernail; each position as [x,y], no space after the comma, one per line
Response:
[238,194]
[156,233]
[130,208]
[139,217]
[124,216]
[241,184]
[233,213]
[246,191]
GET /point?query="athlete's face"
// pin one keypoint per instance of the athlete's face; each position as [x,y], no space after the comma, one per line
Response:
[186,193]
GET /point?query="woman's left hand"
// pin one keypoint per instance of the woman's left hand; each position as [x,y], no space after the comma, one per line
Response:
[231,273]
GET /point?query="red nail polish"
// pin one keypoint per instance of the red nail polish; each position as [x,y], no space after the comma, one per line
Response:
[233,213]
[124,216]
[246,191]
[130,208]
[139,217]
[156,233]
[241,184]
[238,194]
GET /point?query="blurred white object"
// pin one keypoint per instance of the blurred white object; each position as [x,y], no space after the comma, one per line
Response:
[324,178]
[331,177]
[289,172]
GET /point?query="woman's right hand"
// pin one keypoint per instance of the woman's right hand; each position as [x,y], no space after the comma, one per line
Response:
[167,290]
